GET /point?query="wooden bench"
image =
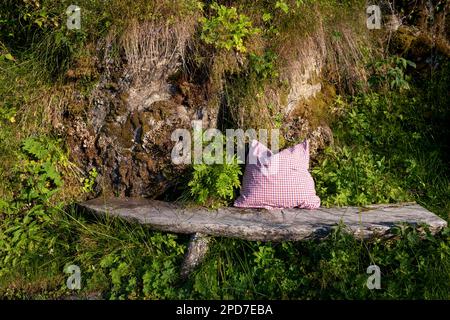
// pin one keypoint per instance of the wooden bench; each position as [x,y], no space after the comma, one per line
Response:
[260,224]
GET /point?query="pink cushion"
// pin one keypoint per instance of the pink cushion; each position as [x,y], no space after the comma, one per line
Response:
[278,180]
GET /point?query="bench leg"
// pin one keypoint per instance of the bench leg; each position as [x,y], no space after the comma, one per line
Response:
[197,250]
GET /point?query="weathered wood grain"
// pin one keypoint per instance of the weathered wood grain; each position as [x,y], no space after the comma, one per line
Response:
[265,225]
[197,249]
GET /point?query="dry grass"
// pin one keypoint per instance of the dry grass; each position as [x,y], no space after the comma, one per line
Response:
[155,50]
[346,62]
[335,40]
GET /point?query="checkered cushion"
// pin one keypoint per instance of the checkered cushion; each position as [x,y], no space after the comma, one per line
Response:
[278,180]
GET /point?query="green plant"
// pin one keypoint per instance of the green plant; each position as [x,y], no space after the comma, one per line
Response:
[8,114]
[88,183]
[29,213]
[6,56]
[390,72]
[126,261]
[286,6]
[37,171]
[264,66]
[227,29]
[214,181]
[214,184]
[334,268]
[356,177]
[282,6]
[20,19]
[384,153]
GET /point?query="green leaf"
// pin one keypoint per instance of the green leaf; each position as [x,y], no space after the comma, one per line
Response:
[266,17]
[282,5]
[9,57]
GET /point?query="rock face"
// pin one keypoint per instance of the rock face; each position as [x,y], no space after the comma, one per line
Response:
[303,74]
[126,133]
[131,147]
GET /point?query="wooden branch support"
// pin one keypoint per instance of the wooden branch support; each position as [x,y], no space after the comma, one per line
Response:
[260,224]
[197,250]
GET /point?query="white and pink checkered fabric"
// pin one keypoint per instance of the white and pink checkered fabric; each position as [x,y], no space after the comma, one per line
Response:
[280,180]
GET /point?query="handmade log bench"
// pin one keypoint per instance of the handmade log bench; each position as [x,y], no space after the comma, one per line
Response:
[260,224]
